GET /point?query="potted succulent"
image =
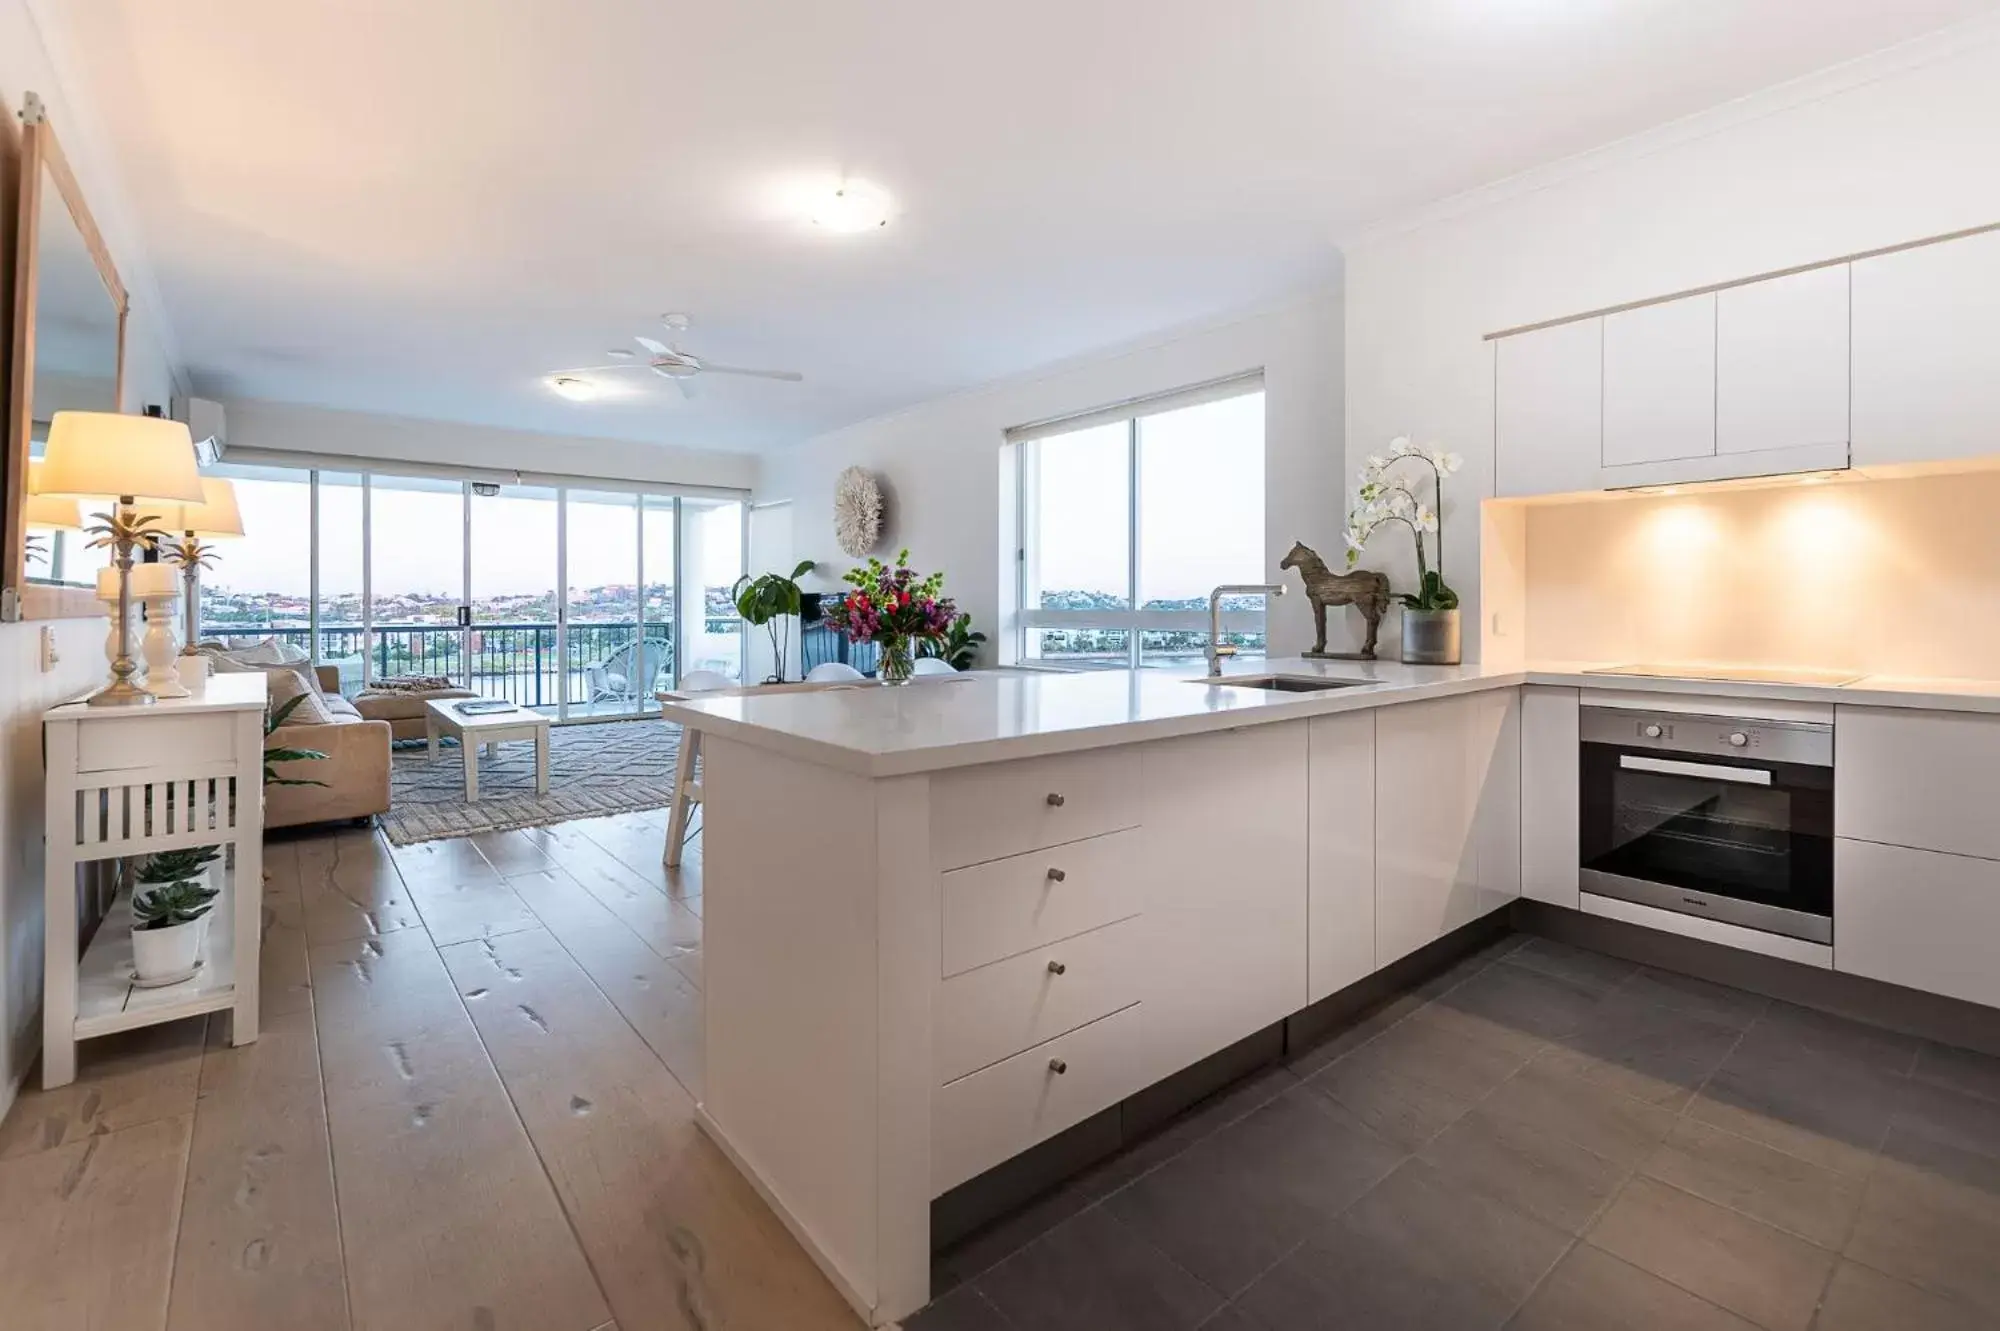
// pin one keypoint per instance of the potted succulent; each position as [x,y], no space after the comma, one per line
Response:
[767,599]
[167,929]
[894,608]
[1430,614]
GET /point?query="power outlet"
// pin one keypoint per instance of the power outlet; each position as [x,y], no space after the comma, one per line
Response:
[49,655]
[1497,630]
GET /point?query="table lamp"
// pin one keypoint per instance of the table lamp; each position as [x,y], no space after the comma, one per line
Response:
[48,511]
[215,516]
[137,459]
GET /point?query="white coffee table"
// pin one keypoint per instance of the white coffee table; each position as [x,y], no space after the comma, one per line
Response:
[485,730]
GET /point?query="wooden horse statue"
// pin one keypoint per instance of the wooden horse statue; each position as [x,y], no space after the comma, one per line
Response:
[1365,590]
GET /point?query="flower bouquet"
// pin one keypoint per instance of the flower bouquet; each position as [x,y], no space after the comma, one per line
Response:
[894,608]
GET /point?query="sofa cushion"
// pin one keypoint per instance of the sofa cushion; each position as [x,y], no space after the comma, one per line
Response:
[402,706]
[311,709]
[266,652]
[340,708]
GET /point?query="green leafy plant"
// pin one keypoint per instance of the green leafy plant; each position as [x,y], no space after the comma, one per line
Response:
[959,648]
[1384,497]
[765,600]
[173,866]
[278,753]
[170,904]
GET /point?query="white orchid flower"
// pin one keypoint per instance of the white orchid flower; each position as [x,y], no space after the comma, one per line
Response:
[1452,463]
[1425,519]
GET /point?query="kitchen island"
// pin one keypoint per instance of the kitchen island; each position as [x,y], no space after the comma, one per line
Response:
[948,921]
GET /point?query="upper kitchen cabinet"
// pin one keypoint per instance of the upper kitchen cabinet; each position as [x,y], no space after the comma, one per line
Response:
[1659,382]
[1926,322]
[1548,409]
[1781,364]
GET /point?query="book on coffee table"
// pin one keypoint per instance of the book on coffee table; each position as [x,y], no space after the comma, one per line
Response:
[483,706]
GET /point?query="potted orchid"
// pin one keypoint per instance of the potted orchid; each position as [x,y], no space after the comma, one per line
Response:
[1385,495]
[895,609]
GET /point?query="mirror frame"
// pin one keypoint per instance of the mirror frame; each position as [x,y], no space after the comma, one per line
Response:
[41,161]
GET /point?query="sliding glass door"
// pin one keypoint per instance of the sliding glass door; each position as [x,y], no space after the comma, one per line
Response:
[614,664]
[581,603]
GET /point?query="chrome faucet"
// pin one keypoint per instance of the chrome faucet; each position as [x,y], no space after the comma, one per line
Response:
[1217,648]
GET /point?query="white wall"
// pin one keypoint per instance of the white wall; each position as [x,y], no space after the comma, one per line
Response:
[940,462]
[321,430]
[25,689]
[1889,149]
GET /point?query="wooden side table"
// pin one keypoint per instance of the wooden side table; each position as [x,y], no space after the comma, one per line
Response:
[125,781]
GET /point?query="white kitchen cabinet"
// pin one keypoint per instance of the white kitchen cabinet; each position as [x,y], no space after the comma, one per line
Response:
[1659,382]
[1224,860]
[1447,783]
[1781,353]
[1548,409]
[1921,779]
[1550,794]
[1340,850]
[1926,322]
[1918,918]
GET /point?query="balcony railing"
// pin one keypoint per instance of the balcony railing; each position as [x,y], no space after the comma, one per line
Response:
[604,669]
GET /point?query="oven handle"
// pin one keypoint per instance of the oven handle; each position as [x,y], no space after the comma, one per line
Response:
[1743,776]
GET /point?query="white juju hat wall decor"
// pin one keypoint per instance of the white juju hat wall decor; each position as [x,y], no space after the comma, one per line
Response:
[857,512]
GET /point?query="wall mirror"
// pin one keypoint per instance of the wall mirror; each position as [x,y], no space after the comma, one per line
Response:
[68,353]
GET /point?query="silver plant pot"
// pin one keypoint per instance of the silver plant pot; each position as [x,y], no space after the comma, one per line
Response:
[1430,637]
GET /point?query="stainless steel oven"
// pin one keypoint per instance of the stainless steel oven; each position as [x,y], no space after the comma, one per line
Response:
[1721,817]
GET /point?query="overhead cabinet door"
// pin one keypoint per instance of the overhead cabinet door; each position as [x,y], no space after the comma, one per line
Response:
[1781,363]
[1548,409]
[1659,382]
[1927,353]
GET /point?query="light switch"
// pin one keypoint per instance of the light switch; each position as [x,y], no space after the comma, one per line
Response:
[49,654]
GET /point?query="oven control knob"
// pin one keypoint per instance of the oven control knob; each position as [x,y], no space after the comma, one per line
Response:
[1738,739]
[1651,731]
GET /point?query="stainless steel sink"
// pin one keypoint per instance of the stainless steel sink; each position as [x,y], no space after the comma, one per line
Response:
[1284,683]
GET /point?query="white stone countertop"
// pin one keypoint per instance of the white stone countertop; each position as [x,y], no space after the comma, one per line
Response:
[958,721]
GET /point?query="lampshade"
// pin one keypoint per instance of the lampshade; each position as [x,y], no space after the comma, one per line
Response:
[215,515]
[102,453]
[49,510]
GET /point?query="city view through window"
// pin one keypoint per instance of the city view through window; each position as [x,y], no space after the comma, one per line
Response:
[579,603]
[1126,527]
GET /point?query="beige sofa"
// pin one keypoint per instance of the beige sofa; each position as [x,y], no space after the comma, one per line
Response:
[355,770]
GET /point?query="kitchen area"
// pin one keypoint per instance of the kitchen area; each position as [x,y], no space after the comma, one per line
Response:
[1732,714]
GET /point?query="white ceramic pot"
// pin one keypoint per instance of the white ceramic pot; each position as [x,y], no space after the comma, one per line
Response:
[160,953]
[193,669]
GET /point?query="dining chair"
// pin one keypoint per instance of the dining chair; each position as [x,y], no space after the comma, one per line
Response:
[931,665]
[832,672]
[687,790]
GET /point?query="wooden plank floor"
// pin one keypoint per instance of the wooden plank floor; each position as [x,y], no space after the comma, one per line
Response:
[471,1109]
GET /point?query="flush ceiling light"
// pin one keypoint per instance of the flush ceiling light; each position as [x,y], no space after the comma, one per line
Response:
[851,207]
[576,390]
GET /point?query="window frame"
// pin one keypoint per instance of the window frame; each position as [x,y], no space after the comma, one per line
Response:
[1134,622]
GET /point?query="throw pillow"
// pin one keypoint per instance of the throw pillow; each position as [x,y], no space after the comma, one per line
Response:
[289,684]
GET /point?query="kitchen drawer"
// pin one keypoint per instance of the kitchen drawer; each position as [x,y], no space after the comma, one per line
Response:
[983,813]
[1005,907]
[999,1112]
[1918,918]
[995,1012]
[1921,779]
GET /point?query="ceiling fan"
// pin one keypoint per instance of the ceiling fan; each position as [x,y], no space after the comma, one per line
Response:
[666,359]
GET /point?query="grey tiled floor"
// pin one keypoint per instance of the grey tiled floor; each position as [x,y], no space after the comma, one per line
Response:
[1541,1139]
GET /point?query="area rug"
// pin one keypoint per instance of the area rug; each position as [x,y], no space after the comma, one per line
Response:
[603,768]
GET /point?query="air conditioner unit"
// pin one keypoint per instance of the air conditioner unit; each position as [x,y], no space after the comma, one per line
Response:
[204,421]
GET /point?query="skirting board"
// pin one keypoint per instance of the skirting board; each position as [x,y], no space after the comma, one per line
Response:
[827,1266]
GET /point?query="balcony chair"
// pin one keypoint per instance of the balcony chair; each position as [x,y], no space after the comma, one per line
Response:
[626,676]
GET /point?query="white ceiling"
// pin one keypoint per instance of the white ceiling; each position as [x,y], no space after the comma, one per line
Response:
[421,208]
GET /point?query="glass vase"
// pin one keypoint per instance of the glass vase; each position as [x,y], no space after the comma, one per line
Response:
[897,663]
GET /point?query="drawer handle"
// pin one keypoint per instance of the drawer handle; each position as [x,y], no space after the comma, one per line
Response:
[1057,968]
[1057,1066]
[1055,801]
[1057,875]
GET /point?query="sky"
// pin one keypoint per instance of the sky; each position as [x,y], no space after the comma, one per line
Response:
[419,536]
[1201,503]
[1201,492]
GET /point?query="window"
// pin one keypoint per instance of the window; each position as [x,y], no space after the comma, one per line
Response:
[1130,517]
